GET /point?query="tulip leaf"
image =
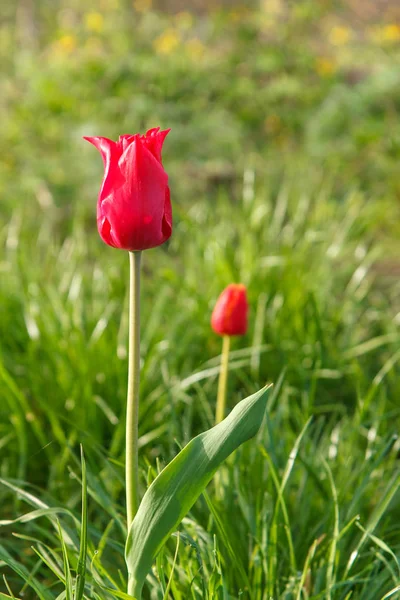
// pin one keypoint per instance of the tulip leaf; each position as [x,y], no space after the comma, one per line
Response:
[177,487]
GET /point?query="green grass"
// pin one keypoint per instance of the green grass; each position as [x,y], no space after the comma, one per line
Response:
[307,218]
[322,328]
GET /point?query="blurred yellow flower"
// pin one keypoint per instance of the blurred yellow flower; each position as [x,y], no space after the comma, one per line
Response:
[391,33]
[195,48]
[142,6]
[339,36]
[94,21]
[386,33]
[167,42]
[325,66]
[272,7]
[184,20]
[66,43]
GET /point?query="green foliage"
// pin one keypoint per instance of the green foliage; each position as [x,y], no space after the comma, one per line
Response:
[177,487]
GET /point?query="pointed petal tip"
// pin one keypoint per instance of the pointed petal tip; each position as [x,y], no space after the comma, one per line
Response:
[96,140]
[157,131]
[104,145]
[164,132]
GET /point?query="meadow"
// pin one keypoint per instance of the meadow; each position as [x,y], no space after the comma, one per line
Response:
[283,160]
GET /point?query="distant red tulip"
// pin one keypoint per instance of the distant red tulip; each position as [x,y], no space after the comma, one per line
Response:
[134,207]
[229,316]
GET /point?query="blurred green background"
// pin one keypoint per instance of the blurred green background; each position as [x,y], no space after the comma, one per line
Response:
[283,158]
[241,85]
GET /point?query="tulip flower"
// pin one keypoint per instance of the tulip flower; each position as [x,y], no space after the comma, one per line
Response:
[133,213]
[134,207]
[229,318]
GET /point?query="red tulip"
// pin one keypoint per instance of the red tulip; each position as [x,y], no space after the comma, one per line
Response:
[229,316]
[134,207]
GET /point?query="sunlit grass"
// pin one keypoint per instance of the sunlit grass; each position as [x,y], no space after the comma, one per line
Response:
[308,511]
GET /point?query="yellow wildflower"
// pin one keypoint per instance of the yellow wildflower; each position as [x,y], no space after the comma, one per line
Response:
[325,66]
[339,36]
[94,21]
[167,42]
[273,7]
[391,33]
[66,43]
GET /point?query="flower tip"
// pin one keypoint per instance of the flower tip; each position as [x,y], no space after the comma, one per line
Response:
[92,140]
[164,133]
[157,132]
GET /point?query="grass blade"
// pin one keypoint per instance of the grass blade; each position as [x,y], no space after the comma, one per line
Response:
[81,568]
[67,570]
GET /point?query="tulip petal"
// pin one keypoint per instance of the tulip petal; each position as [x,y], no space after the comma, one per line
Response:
[125,140]
[105,231]
[154,140]
[110,152]
[167,219]
[105,146]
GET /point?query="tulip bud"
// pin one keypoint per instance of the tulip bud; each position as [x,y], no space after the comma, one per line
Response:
[229,316]
[134,207]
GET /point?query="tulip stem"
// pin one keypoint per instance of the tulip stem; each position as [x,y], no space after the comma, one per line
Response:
[223,378]
[132,405]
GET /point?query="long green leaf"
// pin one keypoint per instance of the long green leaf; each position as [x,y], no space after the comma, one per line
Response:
[177,487]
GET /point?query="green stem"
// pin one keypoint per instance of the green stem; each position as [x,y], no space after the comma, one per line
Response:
[132,404]
[134,589]
[223,378]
